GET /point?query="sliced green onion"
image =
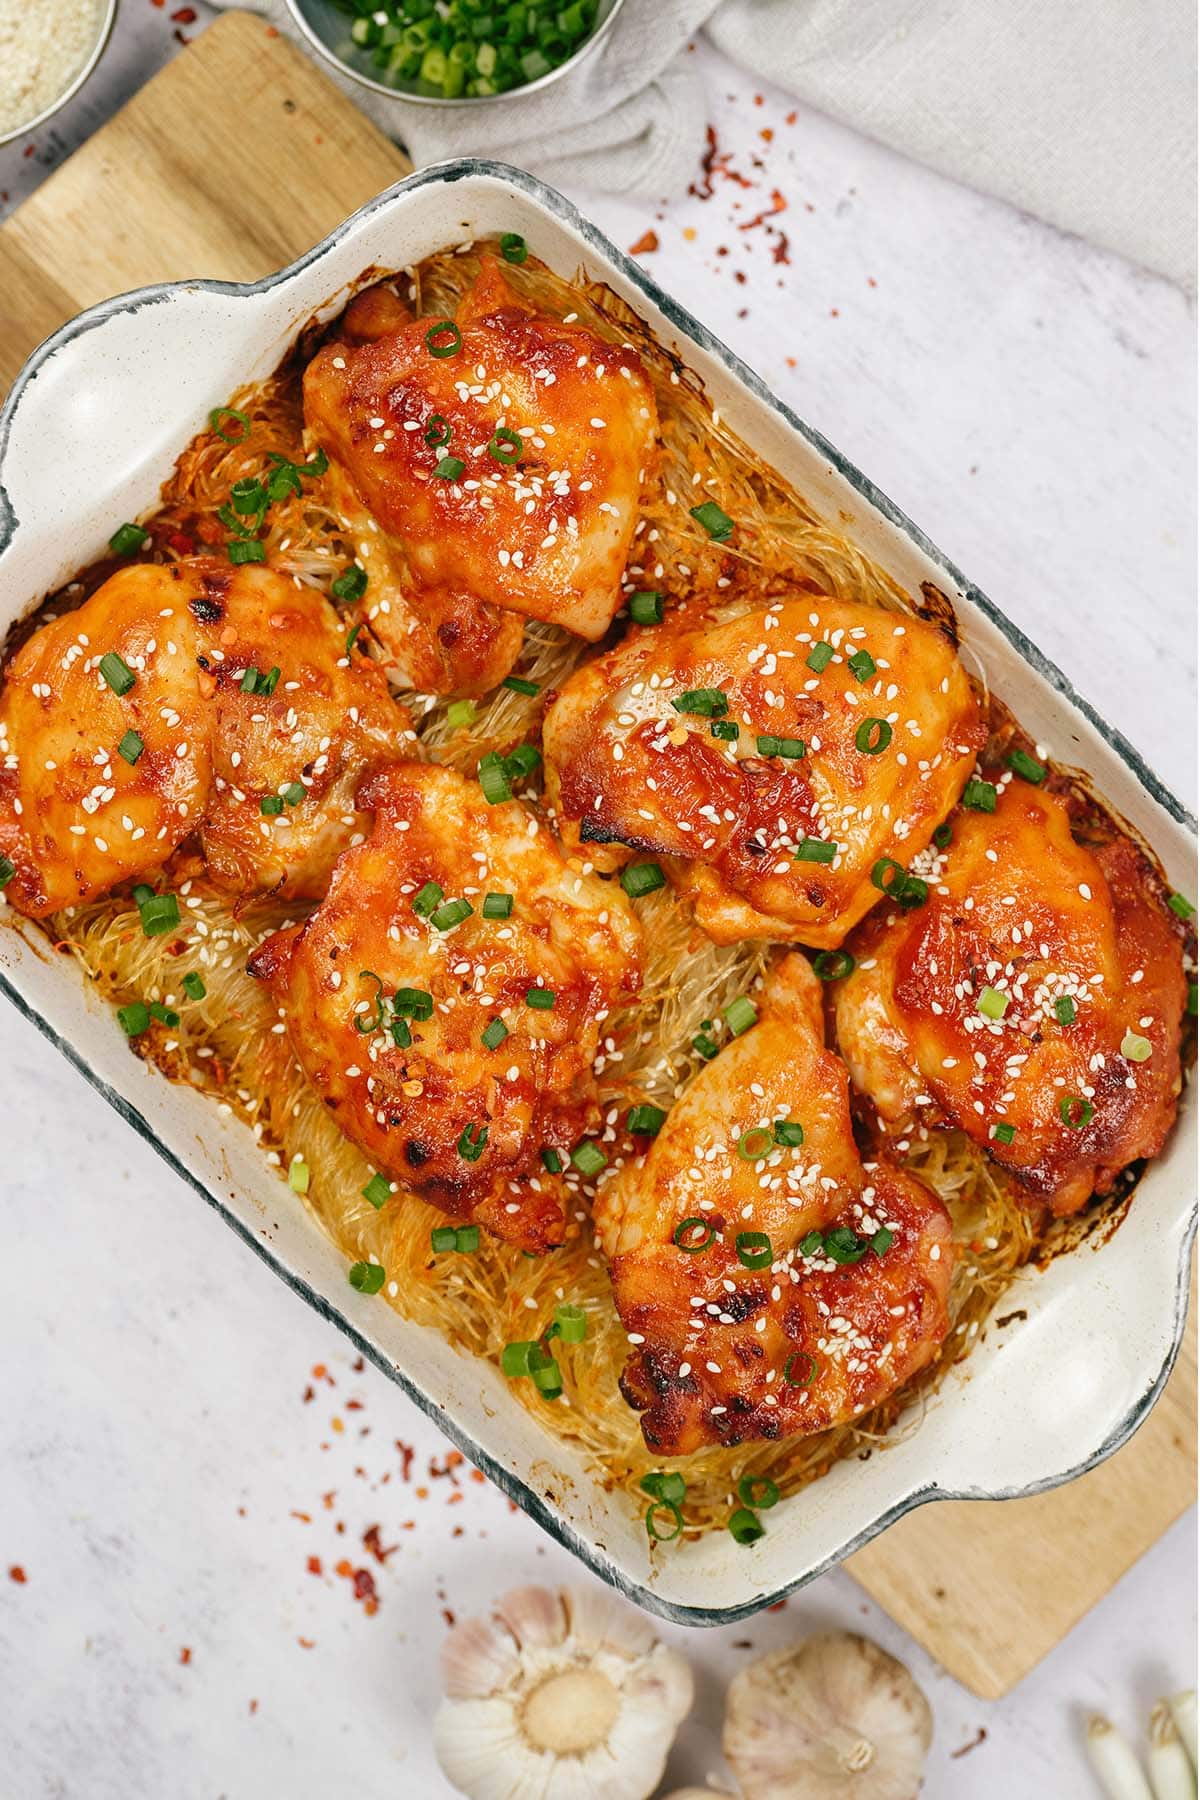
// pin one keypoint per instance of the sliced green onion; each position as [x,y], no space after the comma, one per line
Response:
[377,1190]
[812,1245]
[740,1014]
[744,1527]
[805,1375]
[646,607]
[134,1018]
[833,965]
[992,1003]
[427,900]
[193,985]
[352,637]
[873,736]
[351,584]
[844,1246]
[754,1249]
[571,1323]
[727,730]
[444,339]
[718,524]
[472,1143]
[412,1003]
[541,999]
[862,663]
[979,796]
[460,714]
[654,1515]
[518,685]
[8,869]
[914,892]
[552,1162]
[365,1022]
[547,1378]
[1193,994]
[815,850]
[667,1484]
[1064,1010]
[708,703]
[1181,906]
[1135,1048]
[270,804]
[588,1157]
[449,468]
[117,673]
[819,657]
[497,906]
[1003,1132]
[401,1034]
[641,878]
[883,1240]
[513,247]
[366,1277]
[685,1236]
[943,837]
[758,1490]
[298,1175]
[493,1035]
[128,538]
[493,780]
[705,1047]
[1076,1112]
[293,793]
[756,1143]
[450,914]
[246,550]
[163,1014]
[514,1358]
[466,1240]
[777,746]
[220,413]
[888,875]
[443,1238]
[1027,767]
[504,446]
[645,1120]
[437,432]
[160,914]
[787,1131]
[130,747]
[521,762]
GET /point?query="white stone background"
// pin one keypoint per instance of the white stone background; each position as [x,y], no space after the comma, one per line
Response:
[1029,401]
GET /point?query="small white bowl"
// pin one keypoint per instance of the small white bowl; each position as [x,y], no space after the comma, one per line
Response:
[77,81]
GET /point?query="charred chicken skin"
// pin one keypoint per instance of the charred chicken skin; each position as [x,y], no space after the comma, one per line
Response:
[771,1283]
[773,757]
[489,468]
[187,700]
[446,997]
[1034,1000]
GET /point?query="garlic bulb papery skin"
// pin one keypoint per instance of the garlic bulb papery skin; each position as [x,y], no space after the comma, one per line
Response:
[832,1717]
[1183,1711]
[560,1695]
[695,1793]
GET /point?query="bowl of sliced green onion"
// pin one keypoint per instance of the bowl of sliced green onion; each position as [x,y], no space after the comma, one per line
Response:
[455,52]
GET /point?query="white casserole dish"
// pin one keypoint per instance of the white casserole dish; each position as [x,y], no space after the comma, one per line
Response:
[91,429]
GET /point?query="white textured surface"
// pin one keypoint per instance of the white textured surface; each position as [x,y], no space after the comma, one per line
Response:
[1028,401]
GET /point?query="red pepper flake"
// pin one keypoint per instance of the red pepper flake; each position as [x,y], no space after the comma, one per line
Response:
[791,119]
[308,1394]
[186,15]
[478,1475]
[307,1643]
[304,1518]
[185,1655]
[314,1565]
[354,1406]
[646,244]
[778,1606]
[358,1365]
[965,1749]
[253,1707]
[715,162]
[328,1499]
[779,253]
[366,1591]
[180,38]
[778,205]
[767,134]
[17,1573]
[406,1459]
[448,1616]
[373,1542]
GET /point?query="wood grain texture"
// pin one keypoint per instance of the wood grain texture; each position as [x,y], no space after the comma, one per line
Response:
[235,159]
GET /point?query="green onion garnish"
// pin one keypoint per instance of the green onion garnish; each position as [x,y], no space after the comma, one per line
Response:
[493,780]
[444,339]
[371,1021]
[1135,1048]
[193,986]
[1027,767]
[412,1003]
[493,1035]
[992,1003]
[514,1358]
[799,1371]
[740,1014]
[352,637]
[298,1175]
[943,837]
[466,1240]
[497,906]
[427,900]
[709,703]
[270,804]
[442,1238]
[979,796]
[727,730]
[540,999]
[873,736]
[815,850]
[128,538]
[552,1162]
[777,746]
[756,1143]
[472,1143]
[832,965]
[666,1485]
[1075,1111]
[116,671]
[844,1246]
[504,446]
[460,714]
[246,550]
[883,1240]
[757,1490]
[705,1047]
[1003,1132]
[862,663]
[1181,906]
[570,1323]
[293,793]
[819,657]
[660,1514]
[646,607]
[685,1236]
[367,1278]
[1193,995]
[449,468]
[787,1131]
[718,524]
[351,584]
[754,1249]
[888,875]
[588,1157]
[641,878]
[220,413]
[513,247]
[744,1527]
[130,747]
[8,869]
[450,914]
[377,1190]
[134,1018]
[437,432]
[401,1034]
[645,1120]
[518,685]
[1064,1010]
[160,914]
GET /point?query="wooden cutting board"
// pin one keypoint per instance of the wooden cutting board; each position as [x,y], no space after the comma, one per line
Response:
[236,158]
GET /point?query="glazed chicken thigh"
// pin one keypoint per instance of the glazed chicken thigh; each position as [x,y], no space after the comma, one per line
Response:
[445,999]
[773,756]
[180,700]
[1034,1000]
[490,468]
[771,1283]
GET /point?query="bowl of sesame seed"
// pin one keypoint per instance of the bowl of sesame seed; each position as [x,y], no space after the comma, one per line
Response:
[48,49]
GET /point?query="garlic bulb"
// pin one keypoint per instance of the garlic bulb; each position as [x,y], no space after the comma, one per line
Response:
[558,1696]
[833,1717]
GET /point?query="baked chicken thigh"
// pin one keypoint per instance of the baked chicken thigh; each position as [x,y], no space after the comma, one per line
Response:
[489,467]
[180,700]
[446,997]
[773,756]
[1034,1000]
[771,1283]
